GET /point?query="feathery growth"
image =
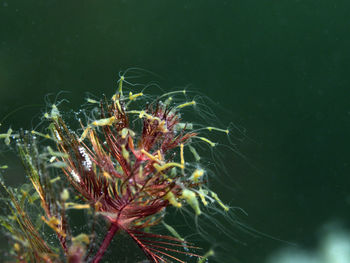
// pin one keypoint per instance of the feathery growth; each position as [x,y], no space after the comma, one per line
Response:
[127,165]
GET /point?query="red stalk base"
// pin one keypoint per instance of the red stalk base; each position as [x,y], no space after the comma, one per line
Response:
[107,240]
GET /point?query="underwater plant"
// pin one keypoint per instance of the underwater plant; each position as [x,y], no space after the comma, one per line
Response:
[126,163]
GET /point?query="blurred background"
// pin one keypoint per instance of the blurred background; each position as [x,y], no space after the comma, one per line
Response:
[279,68]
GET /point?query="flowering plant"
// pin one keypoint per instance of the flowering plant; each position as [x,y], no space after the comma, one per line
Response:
[126,171]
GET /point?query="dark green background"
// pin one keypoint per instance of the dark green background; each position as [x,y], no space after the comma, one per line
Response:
[281,67]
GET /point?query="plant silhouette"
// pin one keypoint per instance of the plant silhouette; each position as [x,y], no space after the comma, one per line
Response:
[127,166]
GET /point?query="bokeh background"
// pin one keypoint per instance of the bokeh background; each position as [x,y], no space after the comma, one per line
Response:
[279,67]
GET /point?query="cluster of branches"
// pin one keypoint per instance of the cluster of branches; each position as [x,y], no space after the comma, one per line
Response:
[113,170]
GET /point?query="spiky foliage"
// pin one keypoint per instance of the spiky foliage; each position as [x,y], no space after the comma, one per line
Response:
[30,245]
[126,172]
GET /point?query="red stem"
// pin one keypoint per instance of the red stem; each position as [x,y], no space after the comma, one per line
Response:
[108,238]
